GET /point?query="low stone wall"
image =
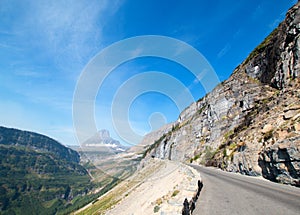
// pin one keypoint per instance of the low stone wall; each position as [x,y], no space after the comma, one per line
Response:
[189,206]
[189,191]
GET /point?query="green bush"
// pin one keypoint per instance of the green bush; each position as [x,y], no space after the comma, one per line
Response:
[156,209]
[175,193]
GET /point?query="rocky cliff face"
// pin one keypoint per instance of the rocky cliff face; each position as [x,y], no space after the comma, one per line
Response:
[149,139]
[250,122]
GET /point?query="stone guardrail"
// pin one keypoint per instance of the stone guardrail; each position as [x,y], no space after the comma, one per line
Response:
[189,206]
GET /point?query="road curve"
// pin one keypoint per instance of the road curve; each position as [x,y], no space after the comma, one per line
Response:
[231,193]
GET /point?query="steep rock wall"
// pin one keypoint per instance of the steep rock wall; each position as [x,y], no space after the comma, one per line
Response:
[244,118]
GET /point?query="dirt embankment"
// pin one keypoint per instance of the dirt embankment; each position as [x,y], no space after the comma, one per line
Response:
[160,186]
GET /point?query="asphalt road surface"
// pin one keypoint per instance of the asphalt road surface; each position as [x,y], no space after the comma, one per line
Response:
[230,193]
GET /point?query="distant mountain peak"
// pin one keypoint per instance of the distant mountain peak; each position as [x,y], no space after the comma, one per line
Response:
[104,134]
[102,139]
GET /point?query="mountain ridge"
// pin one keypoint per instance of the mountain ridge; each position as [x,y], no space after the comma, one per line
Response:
[13,136]
[39,175]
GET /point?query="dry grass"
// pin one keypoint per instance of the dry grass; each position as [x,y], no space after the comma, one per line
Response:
[121,191]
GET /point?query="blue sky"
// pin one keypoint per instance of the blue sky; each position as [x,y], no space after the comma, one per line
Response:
[45,45]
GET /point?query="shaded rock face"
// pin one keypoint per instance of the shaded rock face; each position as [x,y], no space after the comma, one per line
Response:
[277,58]
[234,126]
[281,161]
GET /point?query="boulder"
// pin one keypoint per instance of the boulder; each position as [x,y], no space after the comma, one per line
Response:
[290,114]
[267,128]
[281,162]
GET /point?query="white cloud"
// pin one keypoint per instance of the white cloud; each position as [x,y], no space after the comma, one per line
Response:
[29,73]
[68,29]
[67,32]
[224,50]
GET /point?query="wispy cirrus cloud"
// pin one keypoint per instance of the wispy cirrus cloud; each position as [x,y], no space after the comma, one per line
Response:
[29,73]
[50,40]
[224,50]
[70,30]
[68,33]
[44,45]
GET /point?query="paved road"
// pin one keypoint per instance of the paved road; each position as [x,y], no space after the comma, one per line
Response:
[230,193]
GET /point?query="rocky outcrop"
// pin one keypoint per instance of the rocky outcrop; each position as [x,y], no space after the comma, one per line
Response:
[281,161]
[235,125]
[149,139]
